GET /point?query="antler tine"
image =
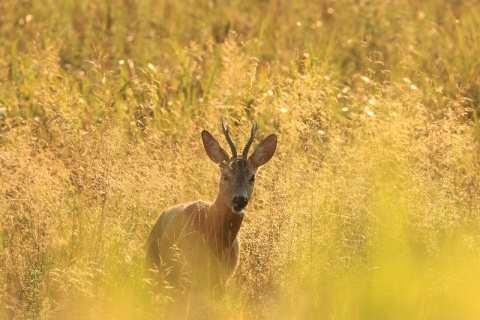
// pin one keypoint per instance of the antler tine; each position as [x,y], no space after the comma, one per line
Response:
[229,140]
[250,141]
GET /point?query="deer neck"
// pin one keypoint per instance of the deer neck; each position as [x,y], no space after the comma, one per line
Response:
[224,224]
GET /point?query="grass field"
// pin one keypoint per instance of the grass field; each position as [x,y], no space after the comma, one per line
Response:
[370,209]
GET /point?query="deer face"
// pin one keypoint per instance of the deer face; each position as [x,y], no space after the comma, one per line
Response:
[238,173]
[236,183]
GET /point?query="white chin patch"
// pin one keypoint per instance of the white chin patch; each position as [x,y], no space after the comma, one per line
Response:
[238,212]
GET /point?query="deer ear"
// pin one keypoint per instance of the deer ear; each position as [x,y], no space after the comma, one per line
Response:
[214,151]
[264,151]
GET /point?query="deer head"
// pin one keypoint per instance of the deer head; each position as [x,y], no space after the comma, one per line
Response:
[238,172]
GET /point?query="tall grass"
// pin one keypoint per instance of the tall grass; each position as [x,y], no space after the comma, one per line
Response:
[369,209]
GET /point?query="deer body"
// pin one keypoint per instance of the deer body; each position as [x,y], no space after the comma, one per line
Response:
[198,241]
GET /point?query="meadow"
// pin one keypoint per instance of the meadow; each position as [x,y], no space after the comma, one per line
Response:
[370,208]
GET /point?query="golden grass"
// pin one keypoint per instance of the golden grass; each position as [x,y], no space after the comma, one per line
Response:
[368,210]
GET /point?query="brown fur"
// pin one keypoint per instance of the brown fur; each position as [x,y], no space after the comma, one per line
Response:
[196,244]
[196,234]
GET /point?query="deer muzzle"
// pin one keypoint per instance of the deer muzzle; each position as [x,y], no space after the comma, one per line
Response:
[239,203]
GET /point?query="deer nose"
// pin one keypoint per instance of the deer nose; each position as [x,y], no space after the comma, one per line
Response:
[239,202]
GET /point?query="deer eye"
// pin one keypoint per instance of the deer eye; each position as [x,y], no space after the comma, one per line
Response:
[226,178]
[252,179]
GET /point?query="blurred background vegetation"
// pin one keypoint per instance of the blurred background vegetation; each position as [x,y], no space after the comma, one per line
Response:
[369,209]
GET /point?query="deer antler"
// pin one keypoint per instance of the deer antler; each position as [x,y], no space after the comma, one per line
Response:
[229,140]
[249,143]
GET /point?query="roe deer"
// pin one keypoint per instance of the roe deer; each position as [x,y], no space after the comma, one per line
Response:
[198,241]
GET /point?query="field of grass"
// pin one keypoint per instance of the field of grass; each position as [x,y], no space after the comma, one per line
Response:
[370,209]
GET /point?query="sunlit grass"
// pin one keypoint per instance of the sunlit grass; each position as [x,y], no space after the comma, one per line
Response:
[368,210]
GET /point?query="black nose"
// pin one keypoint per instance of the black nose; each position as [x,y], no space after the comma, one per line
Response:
[239,202]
